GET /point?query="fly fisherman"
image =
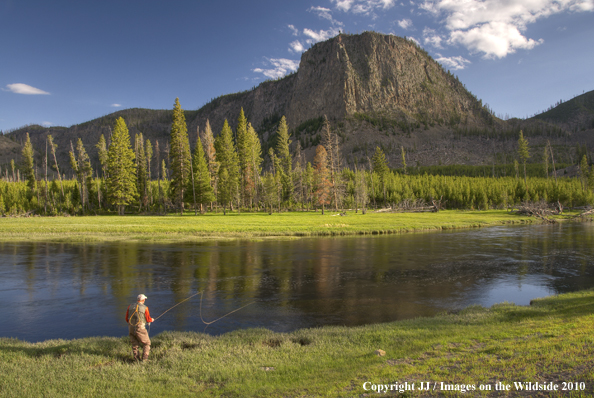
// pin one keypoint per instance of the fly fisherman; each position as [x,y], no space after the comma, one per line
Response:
[137,316]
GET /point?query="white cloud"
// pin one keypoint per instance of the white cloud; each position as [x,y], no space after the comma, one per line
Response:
[46,124]
[282,66]
[405,24]
[20,88]
[319,35]
[343,5]
[363,6]
[432,38]
[294,30]
[296,47]
[495,39]
[494,27]
[325,13]
[116,105]
[454,63]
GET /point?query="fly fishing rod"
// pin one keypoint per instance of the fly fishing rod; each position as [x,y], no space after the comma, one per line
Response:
[177,305]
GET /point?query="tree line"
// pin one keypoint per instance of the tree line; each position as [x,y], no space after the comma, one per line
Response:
[226,173]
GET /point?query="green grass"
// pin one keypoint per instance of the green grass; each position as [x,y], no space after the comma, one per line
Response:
[549,341]
[174,228]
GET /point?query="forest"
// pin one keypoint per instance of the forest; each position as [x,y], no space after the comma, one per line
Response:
[227,173]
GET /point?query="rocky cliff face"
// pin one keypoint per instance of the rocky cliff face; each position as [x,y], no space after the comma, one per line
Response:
[378,74]
[369,74]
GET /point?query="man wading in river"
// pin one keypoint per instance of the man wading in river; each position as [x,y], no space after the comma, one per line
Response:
[137,316]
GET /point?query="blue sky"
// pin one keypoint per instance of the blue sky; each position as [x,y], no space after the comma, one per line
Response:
[66,62]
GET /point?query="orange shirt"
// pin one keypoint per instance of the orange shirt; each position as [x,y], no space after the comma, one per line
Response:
[147,316]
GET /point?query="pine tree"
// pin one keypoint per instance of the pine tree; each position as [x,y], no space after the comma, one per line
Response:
[121,171]
[330,144]
[202,189]
[148,151]
[141,170]
[253,164]
[228,184]
[102,152]
[321,175]
[211,158]
[523,153]
[242,152]
[179,156]
[298,175]
[380,166]
[284,156]
[27,163]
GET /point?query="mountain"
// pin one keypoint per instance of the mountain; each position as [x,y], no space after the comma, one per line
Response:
[376,90]
[576,114]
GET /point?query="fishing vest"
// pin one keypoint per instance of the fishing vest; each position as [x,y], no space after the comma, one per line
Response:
[136,314]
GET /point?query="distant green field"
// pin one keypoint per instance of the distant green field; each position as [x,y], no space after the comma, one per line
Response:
[245,225]
[549,343]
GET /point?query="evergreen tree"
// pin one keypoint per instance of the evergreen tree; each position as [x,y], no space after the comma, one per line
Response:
[102,152]
[380,166]
[141,170]
[253,164]
[202,189]
[321,174]
[179,156]
[211,158]
[330,144]
[228,184]
[284,156]
[28,163]
[148,151]
[242,152]
[121,170]
[523,153]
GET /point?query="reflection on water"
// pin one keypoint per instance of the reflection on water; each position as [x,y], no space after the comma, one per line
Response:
[53,290]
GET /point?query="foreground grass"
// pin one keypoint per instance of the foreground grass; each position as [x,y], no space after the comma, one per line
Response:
[173,228]
[549,341]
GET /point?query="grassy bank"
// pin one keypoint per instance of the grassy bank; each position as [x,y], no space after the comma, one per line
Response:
[244,225]
[550,341]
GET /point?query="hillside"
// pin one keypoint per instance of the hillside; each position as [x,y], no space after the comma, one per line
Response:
[376,90]
[576,114]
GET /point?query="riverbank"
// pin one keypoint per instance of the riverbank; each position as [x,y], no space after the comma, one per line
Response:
[176,228]
[549,342]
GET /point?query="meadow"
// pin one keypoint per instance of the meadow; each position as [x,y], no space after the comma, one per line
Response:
[245,225]
[549,342]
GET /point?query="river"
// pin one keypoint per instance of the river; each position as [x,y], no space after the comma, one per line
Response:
[65,291]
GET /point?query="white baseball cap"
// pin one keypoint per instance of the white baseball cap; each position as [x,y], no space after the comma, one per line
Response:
[141,297]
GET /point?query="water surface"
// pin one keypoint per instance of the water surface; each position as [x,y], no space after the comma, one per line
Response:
[59,290]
